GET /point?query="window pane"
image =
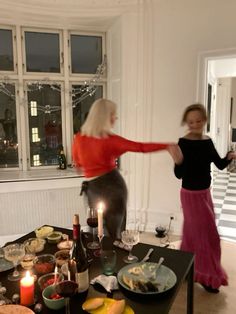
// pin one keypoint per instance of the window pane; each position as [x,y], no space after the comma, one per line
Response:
[8,127]
[6,50]
[45,132]
[42,52]
[86,53]
[82,104]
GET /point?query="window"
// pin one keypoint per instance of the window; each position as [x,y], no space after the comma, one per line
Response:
[8,127]
[45,129]
[86,53]
[6,50]
[42,51]
[81,106]
[45,105]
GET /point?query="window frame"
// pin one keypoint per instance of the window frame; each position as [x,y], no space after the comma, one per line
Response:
[83,33]
[15,64]
[65,79]
[61,51]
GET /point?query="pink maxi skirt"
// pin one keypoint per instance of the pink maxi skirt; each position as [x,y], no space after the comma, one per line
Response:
[200,236]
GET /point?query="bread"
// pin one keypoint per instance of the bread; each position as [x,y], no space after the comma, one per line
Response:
[92,304]
[117,307]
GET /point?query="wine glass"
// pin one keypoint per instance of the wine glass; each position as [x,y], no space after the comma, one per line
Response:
[92,222]
[14,253]
[66,289]
[130,238]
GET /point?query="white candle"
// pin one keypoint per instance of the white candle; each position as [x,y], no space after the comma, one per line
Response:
[100,219]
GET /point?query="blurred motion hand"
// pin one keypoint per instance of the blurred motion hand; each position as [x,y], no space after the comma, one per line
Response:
[231,155]
[176,153]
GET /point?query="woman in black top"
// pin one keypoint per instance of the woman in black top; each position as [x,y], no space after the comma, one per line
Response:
[200,234]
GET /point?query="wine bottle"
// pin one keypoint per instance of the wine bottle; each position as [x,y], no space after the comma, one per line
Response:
[79,257]
[61,158]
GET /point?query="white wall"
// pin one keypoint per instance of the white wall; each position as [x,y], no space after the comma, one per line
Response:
[183,30]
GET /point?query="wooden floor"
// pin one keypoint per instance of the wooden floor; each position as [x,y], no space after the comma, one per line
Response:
[205,302]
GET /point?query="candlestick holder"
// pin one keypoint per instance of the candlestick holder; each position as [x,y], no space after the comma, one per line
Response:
[97,253]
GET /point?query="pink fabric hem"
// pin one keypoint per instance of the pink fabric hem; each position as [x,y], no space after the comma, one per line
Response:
[214,282]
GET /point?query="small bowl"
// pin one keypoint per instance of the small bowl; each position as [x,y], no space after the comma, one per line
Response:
[54,237]
[34,245]
[53,304]
[43,232]
[44,264]
[48,279]
[62,257]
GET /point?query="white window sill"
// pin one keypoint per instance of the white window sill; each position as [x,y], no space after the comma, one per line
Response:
[38,175]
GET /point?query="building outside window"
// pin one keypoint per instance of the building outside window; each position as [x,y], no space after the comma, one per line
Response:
[45,98]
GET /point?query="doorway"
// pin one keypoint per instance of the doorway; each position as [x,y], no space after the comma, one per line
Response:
[220,102]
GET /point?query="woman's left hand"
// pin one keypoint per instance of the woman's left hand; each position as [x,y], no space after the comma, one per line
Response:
[231,155]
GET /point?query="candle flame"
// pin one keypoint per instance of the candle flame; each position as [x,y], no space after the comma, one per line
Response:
[27,275]
[100,206]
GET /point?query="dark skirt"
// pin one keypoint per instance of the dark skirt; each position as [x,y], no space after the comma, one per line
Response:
[111,189]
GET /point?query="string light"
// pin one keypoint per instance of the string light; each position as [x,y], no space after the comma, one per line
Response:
[87,88]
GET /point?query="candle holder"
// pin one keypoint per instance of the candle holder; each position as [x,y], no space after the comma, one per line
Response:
[97,253]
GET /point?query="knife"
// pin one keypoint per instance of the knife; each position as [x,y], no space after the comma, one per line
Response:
[146,257]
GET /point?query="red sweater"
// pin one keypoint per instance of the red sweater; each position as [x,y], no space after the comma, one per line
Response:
[97,156]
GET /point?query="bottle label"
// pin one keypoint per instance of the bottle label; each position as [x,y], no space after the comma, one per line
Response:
[82,280]
[75,232]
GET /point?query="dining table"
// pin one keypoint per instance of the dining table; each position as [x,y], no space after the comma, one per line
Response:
[180,262]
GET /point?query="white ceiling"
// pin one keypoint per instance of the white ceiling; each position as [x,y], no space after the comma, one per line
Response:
[64,13]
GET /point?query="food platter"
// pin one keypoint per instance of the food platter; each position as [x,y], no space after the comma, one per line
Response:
[104,309]
[136,278]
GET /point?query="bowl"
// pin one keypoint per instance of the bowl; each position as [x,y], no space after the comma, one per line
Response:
[34,245]
[43,232]
[48,279]
[54,237]
[62,257]
[53,304]
[44,264]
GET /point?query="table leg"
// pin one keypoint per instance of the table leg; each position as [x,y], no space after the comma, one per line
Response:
[190,282]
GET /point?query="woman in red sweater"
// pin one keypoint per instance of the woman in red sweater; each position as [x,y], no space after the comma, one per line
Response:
[95,150]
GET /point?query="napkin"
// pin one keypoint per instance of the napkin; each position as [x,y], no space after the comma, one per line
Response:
[108,282]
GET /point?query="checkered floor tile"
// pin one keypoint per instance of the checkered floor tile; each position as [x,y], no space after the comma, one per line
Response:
[224,198]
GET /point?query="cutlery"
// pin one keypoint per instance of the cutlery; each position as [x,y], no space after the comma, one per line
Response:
[161,260]
[147,256]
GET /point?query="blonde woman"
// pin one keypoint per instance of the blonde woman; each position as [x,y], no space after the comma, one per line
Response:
[95,150]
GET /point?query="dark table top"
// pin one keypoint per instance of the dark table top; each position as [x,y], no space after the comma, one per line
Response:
[180,262]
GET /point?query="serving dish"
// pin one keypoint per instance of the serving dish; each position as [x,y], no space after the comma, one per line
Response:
[133,278]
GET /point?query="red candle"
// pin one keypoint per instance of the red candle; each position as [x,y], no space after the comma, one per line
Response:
[27,290]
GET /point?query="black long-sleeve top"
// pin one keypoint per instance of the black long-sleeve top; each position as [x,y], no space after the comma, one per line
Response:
[195,170]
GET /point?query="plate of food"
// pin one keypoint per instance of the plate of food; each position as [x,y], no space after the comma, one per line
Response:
[13,308]
[106,306]
[146,278]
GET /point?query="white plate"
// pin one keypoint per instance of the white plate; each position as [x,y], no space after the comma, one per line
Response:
[165,277]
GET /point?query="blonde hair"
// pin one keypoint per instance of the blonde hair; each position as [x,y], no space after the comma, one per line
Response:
[98,122]
[194,107]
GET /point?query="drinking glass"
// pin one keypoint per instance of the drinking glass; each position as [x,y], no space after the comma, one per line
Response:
[66,289]
[92,221]
[130,238]
[14,253]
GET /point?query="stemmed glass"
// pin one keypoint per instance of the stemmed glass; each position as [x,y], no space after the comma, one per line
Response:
[66,289]
[92,222]
[130,238]
[14,253]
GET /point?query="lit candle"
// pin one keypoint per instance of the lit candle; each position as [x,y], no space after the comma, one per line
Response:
[100,219]
[27,290]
